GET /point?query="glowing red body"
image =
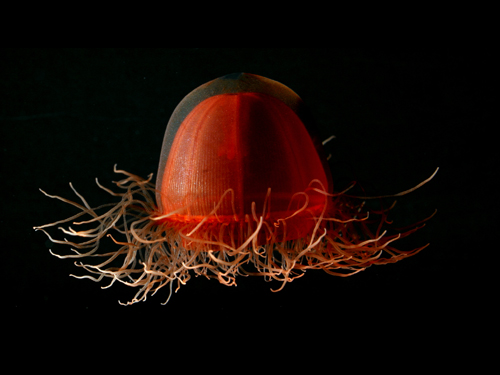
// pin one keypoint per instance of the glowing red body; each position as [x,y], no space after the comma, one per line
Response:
[243,143]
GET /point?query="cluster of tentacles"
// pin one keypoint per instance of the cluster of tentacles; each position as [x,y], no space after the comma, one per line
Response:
[153,253]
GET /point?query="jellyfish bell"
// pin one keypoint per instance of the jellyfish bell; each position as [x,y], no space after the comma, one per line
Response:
[242,137]
[243,188]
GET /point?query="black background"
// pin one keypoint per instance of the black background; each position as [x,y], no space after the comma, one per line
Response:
[71,114]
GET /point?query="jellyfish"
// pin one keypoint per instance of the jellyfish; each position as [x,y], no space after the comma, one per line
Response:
[243,189]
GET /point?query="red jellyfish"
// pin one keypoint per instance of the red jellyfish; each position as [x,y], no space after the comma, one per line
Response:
[242,188]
